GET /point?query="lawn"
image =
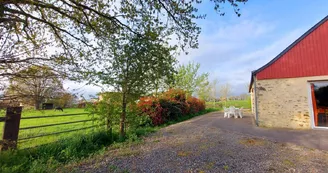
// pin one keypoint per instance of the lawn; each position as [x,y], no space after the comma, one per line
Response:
[246,104]
[54,120]
[51,129]
[51,157]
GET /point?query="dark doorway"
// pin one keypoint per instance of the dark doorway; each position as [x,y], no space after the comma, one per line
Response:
[320,103]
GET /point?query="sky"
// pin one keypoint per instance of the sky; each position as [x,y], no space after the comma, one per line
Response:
[230,47]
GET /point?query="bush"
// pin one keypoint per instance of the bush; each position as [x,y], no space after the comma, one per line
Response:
[171,109]
[151,107]
[171,105]
[196,105]
[132,121]
[174,95]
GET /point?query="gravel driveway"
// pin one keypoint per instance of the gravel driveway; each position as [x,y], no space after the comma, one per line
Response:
[200,145]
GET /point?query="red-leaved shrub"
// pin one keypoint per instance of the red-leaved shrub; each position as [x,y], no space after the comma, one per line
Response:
[169,106]
[174,95]
[151,107]
[195,104]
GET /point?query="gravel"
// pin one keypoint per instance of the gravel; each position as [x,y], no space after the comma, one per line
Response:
[199,145]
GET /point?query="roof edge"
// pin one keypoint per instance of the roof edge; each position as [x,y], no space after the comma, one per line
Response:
[291,46]
[251,83]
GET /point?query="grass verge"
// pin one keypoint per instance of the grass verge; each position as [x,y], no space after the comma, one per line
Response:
[50,157]
[246,104]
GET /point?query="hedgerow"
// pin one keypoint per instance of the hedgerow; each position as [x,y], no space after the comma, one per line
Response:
[170,105]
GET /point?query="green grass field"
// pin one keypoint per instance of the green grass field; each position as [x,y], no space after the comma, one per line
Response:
[246,104]
[54,156]
[51,129]
[54,120]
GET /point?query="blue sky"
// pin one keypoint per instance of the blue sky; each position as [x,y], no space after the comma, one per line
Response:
[230,47]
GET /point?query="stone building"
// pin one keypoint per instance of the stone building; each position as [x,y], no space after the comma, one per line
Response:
[291,91]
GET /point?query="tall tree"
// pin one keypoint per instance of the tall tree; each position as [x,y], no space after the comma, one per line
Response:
[214,90]
[75,19]
[225,91]
[204,91]
[35,84]
[131,66]
[188,79]
[75,26]
[64,99]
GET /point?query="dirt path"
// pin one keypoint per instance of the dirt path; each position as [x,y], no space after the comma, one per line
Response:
[200,145]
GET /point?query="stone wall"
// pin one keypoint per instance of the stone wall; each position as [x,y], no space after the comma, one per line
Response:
[284,102]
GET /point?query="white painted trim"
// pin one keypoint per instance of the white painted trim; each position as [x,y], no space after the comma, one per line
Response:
[320,128]
[256,104]
[311,106]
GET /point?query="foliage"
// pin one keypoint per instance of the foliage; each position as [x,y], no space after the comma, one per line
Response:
[75,28]
[172,108]
[152,108]
[64,99]
[188,79]
[133,66]
[47,158]
[109,110]
[72,25]
[171,105]
[205,90]
[52,157]
[214,89]
[208,90]
[175,94]
[196,105]
[34,85]
[225,91]
[133,120]
[127,41]
[174,103]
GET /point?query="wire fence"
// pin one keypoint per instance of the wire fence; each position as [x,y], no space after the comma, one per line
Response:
[55,124]
[56,133]
[37,129]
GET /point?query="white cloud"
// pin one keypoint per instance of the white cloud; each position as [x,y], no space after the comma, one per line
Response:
[232,51]
[81,89]
[225,39]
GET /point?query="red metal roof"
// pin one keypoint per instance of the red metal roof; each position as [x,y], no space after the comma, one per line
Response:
[307,56]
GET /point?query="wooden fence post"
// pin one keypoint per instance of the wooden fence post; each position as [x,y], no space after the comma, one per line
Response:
[11,128]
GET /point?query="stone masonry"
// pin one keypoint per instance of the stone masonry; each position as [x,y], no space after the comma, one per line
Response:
[252,100]
[285,102]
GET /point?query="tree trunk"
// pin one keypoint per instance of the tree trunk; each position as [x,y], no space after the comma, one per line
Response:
[156,87]
[123,117]
[37,105]
[109,128]
[156,91]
